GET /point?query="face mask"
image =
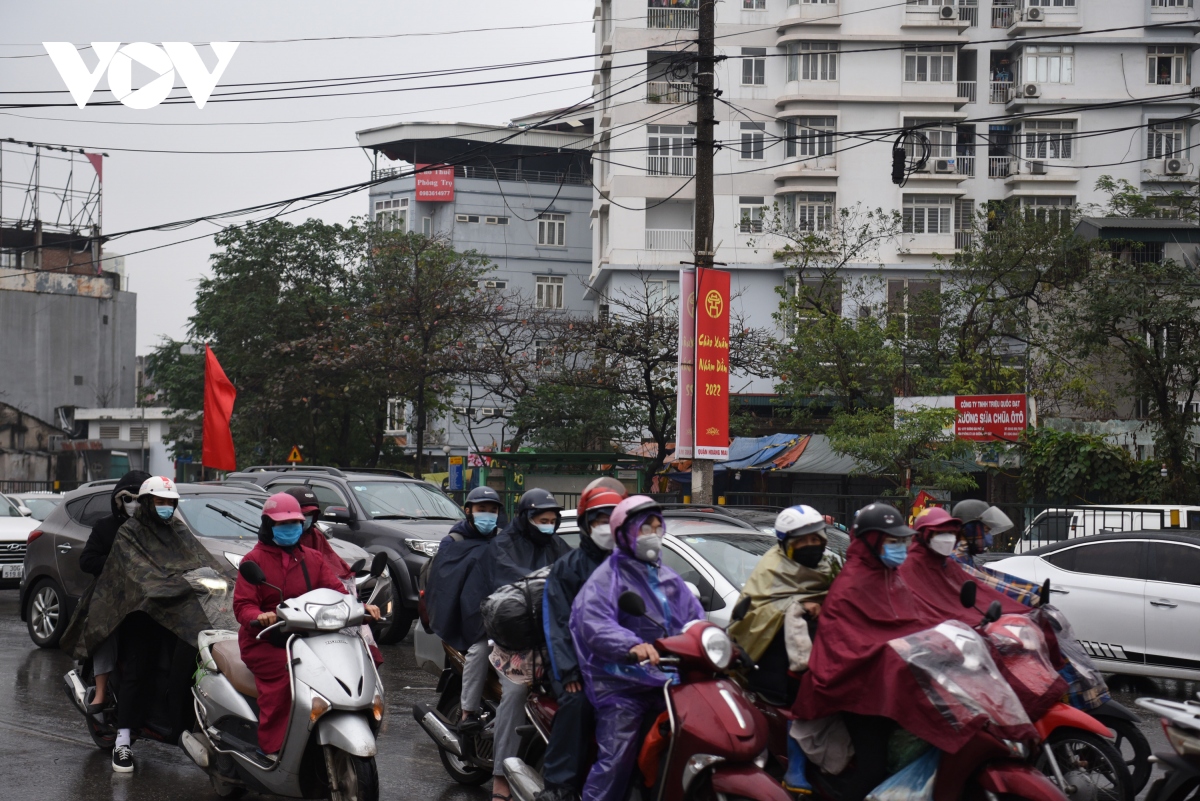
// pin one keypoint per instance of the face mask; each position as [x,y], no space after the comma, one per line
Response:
[545,528]
[602,535]
[809,555]
[648,547]
[310,521]
[943,543]
[894,554]
[164,512]
[131,508]
[287,533]
[485,522]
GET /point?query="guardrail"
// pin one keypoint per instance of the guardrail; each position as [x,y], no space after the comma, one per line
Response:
[675,18]
[669,239]
[966,90]
[1002,16]
[1000,91]
[492,174]
[668,92]
[684,166]
[998,166]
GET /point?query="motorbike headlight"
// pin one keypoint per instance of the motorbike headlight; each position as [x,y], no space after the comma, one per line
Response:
[424,547]
[328,616]
[1019,750]
[377,707]
[234,559]
[320,705]
[717,647]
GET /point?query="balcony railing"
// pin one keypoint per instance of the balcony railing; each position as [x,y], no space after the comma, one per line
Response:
[1002,16]
[496,174]
[966,90]
[963,239]
[675,18]
[969,15]
[670,92]
[668,239]
[998,166]
[684,166]
[1000,91]
[965,165]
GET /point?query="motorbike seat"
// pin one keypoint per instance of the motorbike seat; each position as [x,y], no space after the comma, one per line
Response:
[228,658]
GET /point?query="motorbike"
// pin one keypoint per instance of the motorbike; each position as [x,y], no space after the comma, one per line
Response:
[714,739]
[337,703]
[1181,723]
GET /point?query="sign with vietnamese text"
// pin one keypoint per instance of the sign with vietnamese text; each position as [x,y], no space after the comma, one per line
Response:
[456,473]
[987,418]
[712,365]
[436,185]
[685,398]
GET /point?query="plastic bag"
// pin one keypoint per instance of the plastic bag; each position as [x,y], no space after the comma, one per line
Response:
[512,615]
[914,783]
[1086,688]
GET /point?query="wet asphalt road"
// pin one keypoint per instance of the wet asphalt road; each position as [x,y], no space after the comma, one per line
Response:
[48,756]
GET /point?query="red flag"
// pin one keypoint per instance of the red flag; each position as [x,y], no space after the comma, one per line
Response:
[97,162]
[219,395]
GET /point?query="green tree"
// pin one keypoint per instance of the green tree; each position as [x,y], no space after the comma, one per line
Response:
[566,419]
[1065,467]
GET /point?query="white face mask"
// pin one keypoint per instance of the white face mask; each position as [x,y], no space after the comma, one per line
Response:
[131,508]
[602,535]
[943,543]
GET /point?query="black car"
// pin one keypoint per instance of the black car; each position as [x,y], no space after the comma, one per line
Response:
[380,511]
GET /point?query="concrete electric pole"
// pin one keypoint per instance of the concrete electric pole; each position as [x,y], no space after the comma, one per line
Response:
[706,61]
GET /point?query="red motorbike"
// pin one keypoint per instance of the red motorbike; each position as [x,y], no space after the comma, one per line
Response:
[713,741]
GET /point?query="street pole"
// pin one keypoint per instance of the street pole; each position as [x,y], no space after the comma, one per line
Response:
[702,469]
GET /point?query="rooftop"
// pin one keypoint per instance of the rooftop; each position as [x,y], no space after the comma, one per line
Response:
[1143,228]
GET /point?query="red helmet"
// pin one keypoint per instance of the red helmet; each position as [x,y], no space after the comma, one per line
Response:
[283,508]
[936,519]
[594,499]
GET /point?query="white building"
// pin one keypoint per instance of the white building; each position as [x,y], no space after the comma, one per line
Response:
[124,439]
[798,73]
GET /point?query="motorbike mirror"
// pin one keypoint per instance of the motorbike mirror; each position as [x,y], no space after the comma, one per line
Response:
[358,566]
[252,573]
[378,564]
[740,611]
[1044,593]
[966,595]
[993,612]
[631,604]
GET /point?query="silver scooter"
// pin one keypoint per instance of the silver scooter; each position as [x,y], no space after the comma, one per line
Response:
[337,703]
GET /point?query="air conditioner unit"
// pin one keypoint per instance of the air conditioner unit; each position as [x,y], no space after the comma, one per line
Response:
[1035,14]
[1037,168]
[943,165]
[1176,167]
[1031,90]
[948,12]
[486,412]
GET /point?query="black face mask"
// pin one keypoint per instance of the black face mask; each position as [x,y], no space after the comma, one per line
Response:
[809,555]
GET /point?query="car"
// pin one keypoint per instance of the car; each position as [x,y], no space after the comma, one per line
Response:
[1133,598]
[715,557]
[381,511]
[14,531]
[39,504]
[225,520]
[1056,525]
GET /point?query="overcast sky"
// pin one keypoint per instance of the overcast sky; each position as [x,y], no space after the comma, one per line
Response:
[146,189]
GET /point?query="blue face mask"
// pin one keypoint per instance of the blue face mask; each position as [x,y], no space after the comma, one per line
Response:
[894,554]
[164,512]
[545,528]
[485,522]
[287,533]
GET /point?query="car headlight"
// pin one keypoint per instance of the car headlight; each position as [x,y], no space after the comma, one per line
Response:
[235,559]
[328,616]
[717,647]
[424,547]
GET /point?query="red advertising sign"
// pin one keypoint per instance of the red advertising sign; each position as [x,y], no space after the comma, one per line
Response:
[988,418]
[687,354]
[712,365]
[435,185]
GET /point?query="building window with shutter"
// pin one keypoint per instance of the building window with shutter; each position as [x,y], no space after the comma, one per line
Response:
[750,214]
[929,63]
[812,211]
[392,215]
[549,291]
[1047,64]
[810,137]
[915,304]
[927,214]
[754,140]
[754,66]
[552,230]
[812,61]
[1048,139]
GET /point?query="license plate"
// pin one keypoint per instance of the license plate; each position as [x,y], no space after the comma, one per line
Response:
[12,571]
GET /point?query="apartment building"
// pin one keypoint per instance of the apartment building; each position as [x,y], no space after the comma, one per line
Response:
[802,77]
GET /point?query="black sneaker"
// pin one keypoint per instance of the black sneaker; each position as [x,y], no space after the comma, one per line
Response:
[122,759]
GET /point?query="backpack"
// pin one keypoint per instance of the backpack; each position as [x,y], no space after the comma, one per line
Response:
[512,615]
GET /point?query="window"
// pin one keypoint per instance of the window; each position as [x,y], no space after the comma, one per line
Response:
[818,296]
[392,215]
[392,499]
[917,304]
[493,284]
[544,352]
[942,137]
[110,431]
[754,5]
[750,214]
[1050,527]
[1168,65]
[327,496]
[552,230]
[495,220]
[427,226]
[1048,208]
[1048,139]
[1048,64]
[812,2]
[671,149]
[659,294]
[1177,564]
[812,61]
[396,416]
[466,218]
[1166,139]
[549,291]
[754,66]
[812,211]
[1170,3]
[927,214]
[1119,559]
[1051,3]
[90,510]
[929,64]
[8,258]
[688,572]
[139,434]
[810,137]
[753,140]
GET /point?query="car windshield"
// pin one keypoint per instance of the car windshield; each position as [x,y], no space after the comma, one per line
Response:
[223,518]
[399,500]
[8,508]
[734,554]
[41,507]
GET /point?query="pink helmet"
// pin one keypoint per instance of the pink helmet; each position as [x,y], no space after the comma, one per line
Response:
[936,519]
[633,507]
[283,508]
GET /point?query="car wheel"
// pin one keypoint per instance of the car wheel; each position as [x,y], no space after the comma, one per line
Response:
[46,613]
[395,629]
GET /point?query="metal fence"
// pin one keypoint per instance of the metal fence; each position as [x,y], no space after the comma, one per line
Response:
[9,486]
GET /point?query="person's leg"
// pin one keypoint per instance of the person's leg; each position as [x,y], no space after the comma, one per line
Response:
[474,677]
[137,649]
[104,662]
[617,725]
[180,708]
[870,735]
[565,764]
[509,716]
[268,663]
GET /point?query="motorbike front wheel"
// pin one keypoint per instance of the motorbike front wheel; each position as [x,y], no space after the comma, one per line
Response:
[1088,763]
[1135,748]
[351,778]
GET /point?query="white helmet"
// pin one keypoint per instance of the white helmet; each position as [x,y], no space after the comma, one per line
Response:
[796,521]
[159,487]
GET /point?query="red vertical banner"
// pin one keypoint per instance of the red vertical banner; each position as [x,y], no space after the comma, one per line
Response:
[687,357]
[434,184]
[712,365]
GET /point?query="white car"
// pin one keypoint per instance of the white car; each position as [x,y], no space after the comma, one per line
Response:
[14,532]
[39,504]
[1133,598]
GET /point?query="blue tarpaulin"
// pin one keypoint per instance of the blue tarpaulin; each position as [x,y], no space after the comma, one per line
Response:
[748,453]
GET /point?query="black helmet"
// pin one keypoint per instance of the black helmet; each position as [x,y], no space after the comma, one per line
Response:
[304,496]
[970,510]
[482,495]
[538,500]
[880,516]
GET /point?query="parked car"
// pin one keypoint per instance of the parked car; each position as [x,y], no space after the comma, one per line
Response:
[381,511]
[225,519]
[14,531]
[1056,525]
[1133,598]
[715,557]
[39,504]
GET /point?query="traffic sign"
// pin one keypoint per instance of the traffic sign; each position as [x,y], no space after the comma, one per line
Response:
[456,473]
[294,457]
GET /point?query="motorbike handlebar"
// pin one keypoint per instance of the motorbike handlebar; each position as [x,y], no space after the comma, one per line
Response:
[274,625]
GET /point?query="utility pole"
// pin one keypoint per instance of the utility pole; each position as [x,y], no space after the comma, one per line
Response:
[706,63]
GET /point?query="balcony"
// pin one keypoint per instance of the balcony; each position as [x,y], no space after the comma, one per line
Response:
[1003,16]
[1000,92]
[966,91]
[999,166]
[675,18]
[963,239]
[683,166]
[669,239]
[495,174]
[965,165]
[670,92]
[969,14]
